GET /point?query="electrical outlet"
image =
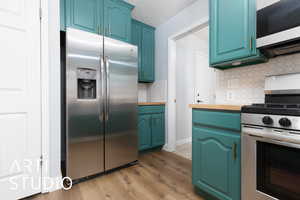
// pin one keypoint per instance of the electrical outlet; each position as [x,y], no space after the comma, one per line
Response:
[230,96]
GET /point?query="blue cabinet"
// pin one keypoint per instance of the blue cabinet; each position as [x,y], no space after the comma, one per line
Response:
[158,129]
[84,14]
[62,15]
[111,18]
[117,20]
[144,127]
[136,39]
[144,37]
[216,157]
[151,127]
[233,33]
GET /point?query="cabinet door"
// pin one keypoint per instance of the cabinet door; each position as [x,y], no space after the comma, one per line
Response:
[83,14]
[148,45]
[63,15]
[158,129]
[117,20]
[144,129]
[136,39]
[216,162]
[232,30]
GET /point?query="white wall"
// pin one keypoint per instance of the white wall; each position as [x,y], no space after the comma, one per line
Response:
[204,76]
[185,63]
[182,20]
[193,76]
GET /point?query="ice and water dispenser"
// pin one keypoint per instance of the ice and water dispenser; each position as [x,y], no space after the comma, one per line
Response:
[86,83]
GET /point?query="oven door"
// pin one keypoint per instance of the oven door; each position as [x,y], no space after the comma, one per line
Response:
[270,169]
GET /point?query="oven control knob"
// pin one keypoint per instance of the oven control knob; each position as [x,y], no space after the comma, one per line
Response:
[267,120]
[285,122]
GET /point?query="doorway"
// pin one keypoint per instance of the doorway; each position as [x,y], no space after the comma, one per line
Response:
[191,81]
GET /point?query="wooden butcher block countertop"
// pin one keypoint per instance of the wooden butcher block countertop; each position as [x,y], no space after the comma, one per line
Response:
[217,107]
[151,103]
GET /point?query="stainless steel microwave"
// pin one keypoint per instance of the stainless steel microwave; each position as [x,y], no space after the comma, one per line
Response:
[278,25]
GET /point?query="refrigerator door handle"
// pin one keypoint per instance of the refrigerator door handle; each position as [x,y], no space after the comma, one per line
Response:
[102,75]
[107,87]
[102,79]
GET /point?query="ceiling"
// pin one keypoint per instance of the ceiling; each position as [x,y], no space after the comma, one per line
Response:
[157,12]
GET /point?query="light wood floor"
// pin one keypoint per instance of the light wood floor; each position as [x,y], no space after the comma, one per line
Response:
[184,150]
[159,175]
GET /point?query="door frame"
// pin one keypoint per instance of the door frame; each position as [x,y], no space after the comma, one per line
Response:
[171,82]
[50,31]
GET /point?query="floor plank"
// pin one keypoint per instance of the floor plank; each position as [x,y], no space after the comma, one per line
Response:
[158,175]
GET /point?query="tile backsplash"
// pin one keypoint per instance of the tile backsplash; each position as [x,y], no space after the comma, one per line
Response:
[245,85]
[143,95]
[152,92]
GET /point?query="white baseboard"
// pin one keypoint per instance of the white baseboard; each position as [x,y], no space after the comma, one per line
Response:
[51,184]
[184,141]
[168,148]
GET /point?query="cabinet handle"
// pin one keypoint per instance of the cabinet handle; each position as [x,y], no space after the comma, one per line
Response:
[234,151]
[109,29]
[251,43]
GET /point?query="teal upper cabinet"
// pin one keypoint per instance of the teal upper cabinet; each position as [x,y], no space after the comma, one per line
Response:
[84,14]
[63,15]
[233,33]
[117,20]
[136,39]
[111,18]
[148,44]
[144,37]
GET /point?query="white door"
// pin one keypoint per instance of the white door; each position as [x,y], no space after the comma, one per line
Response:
[20,99]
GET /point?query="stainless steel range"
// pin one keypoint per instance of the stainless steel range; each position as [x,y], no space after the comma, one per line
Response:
[271,142]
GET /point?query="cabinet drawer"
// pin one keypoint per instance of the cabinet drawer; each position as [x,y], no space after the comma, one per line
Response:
[220,119]
[151,109]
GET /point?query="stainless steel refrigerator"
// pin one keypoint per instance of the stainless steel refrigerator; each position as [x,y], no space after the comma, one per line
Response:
[101,100]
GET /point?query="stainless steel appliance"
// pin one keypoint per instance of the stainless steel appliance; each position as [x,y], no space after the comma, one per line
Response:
[278,27]
[101,100]
[271,142]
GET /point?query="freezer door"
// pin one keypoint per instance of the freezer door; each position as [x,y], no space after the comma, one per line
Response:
[121,141]
[85,104]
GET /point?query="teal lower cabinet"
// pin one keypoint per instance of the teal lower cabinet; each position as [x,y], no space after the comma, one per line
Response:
[145,136]
[151,127]
[216,156]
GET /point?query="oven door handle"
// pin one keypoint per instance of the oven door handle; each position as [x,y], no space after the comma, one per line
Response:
[274,141]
